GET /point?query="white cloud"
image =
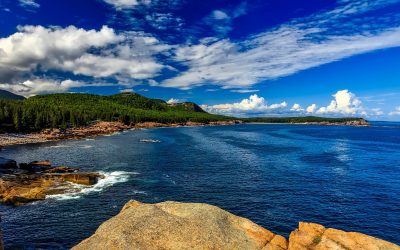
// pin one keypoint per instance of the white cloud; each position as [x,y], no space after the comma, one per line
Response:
[285,50]
[297,108]
[104,53]
[345,103]
[396,111]
[29,3]
[32,46]
[219,14]
[173,101]
[41,86]
[312,108]
[244,90]
[125,4]
[254,104]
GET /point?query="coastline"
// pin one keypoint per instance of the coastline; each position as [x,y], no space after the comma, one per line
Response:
[93,130]
[107,128]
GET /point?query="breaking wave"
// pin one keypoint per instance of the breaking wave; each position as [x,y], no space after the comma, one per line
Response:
[76,191]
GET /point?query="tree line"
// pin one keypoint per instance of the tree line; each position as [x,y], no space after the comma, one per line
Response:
[73,110]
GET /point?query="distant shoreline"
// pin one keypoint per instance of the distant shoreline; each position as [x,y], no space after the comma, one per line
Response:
[107,128]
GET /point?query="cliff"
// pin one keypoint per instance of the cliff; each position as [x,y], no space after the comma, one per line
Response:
[174,225]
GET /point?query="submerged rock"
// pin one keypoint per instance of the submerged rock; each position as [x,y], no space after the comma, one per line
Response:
[7,163]
[174,225]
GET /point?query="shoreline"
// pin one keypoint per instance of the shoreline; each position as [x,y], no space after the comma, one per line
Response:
[108,128]
[96,129]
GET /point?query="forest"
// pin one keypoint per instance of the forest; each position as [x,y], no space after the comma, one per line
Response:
[72,110]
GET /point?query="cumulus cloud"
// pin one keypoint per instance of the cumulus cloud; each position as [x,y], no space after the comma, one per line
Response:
[297,108]
[126,4]
[292,47]
[253,104]
[345,103]
[41,86]
[173,101]
[29,3]
[32,46]
[396,111]
[312,108]
[127,56]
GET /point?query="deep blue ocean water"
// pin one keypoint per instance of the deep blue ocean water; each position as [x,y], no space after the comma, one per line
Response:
[276,175]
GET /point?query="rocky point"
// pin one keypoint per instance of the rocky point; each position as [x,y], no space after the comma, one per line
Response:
[27,182]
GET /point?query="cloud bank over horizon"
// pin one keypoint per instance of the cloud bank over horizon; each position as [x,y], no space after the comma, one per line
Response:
[345,103]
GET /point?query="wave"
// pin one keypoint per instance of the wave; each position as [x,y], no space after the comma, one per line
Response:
[59,146]
[76,191]
[86,146]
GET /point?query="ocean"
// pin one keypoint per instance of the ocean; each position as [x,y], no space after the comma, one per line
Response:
[275,175]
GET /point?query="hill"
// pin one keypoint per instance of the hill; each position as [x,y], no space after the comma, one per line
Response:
[6,95]
[72,110]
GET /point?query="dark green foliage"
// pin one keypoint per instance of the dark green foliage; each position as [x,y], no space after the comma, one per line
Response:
[299,119]
[72,110]
[5,95]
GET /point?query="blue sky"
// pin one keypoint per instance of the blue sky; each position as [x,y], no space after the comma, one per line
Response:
[243,58]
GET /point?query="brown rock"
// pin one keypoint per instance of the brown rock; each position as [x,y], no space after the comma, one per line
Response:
[25,190]
[61,169]
[312,236]
[79,178]
[45,163]
[174,225]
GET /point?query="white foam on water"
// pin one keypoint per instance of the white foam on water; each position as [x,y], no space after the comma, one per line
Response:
[89,139]
[86,146]
[76,191]
[59,146]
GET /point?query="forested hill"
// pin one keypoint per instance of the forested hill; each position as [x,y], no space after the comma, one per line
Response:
[72,110]
[6,95]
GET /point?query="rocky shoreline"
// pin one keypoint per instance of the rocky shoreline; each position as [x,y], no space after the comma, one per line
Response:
[105,128]
[174,225]
[27,182]
[95,129]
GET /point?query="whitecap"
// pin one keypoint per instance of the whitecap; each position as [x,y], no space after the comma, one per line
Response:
[86,146]
[58,146]
[76,191]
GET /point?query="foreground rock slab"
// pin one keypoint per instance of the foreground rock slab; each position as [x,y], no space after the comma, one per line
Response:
[174,225]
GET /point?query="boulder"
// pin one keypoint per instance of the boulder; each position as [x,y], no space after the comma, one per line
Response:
[79,178]
[175,225]
[310,236]
[61,169]
[7,163]
[45,163]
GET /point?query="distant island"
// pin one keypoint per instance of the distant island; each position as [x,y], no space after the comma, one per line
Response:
[73,115]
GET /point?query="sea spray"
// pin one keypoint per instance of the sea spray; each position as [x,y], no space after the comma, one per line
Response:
[76,191]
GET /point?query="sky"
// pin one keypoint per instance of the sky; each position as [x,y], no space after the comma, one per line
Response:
[336,58]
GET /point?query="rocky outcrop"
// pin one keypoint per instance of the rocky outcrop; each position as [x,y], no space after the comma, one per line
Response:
[175,225]
[27,182]
[310,236]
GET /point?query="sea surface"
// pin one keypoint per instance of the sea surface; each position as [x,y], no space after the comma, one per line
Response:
[276,175]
